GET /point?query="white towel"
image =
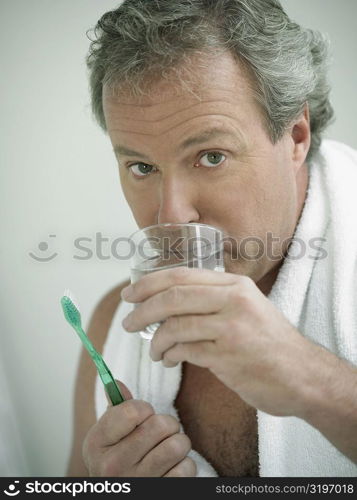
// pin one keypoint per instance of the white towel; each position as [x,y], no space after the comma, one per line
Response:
[318,296]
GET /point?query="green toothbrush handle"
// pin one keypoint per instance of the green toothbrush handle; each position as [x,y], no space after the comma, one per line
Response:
[113,392]
[107,378]
[111,387]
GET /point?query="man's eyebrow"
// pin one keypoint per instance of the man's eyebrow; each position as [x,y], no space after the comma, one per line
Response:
[202,137]
[123,151]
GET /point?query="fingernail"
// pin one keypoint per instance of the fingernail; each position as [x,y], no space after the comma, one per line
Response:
[153,357]
[126,292]
[126,322]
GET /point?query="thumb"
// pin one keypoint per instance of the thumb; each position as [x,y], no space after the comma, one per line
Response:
[123,389]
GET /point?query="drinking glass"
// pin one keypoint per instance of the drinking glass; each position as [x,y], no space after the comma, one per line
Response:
[164,246]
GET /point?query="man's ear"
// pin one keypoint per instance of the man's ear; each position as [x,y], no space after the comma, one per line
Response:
[301,138]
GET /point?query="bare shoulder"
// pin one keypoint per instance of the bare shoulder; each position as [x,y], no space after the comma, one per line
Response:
[84,410]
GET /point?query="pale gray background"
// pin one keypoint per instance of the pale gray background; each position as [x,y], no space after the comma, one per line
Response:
[59,176]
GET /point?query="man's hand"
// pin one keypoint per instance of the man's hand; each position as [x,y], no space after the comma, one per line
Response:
[130,440]
[223,322]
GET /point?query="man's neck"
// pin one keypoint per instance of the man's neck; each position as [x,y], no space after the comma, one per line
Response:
[266,283]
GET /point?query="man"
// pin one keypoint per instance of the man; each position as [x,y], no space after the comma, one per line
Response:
[215,111]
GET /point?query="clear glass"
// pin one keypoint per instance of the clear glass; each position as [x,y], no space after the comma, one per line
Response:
[164,246]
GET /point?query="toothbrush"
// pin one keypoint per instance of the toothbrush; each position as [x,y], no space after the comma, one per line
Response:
[73,316]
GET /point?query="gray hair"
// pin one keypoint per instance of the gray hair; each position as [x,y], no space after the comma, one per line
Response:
[142,39]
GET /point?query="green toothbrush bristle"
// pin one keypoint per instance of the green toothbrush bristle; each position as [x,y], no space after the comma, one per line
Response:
[70,311]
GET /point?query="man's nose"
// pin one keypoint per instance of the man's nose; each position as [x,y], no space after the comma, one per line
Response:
[177,203]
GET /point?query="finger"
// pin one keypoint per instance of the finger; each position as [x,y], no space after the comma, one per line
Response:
[144,438]
[165,456]
[118,421]
[186,468]
[177,300]
[202,354]
[186,328]
[158,281]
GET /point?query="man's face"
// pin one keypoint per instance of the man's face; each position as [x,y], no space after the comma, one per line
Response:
[205,156]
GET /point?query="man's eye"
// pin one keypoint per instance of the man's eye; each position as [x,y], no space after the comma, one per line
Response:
[141,169]
[212,159]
